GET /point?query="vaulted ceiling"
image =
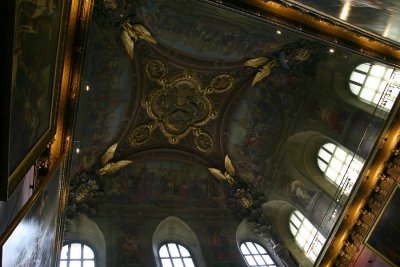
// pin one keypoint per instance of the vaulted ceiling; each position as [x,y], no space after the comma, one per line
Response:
[169,88]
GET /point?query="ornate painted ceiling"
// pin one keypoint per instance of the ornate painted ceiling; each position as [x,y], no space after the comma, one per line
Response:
[169,88]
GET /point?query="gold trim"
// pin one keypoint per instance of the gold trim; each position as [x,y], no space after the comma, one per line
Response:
[15,177]
[330,29]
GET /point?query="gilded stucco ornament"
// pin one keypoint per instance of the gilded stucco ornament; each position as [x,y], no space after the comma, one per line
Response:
[284,60]
[131,33]
[179,106]
[238,192]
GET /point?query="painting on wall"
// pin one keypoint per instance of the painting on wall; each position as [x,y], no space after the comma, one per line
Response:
[220,246]
[33,85]
[165,184]
[36,236]
[384,238]
[129,248]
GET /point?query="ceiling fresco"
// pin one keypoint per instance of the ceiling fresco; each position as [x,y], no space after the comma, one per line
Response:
[175,86]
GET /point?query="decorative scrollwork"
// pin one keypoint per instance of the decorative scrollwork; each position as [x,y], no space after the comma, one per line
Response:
[203,141]
[141,134]
[156,69]
[221,83]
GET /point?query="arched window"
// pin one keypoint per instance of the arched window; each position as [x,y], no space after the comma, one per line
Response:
[307,237]
[375,84]
[77,255]
[175,255]
[339,166]
[255,254]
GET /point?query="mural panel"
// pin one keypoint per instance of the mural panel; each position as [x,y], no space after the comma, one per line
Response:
[202,30]
[165,184]
[106,85]
[259,120]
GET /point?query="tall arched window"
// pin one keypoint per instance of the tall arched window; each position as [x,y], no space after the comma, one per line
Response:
[307,237]
[255,255]
[339,166]
[175,255]
[375,84]
[77,255]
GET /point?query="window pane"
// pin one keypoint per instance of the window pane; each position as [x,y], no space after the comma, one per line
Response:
[322,165]
[307,235]
[163,252]
[355,88]
[75,264]
[173,250]
[64,252]
[88,263]
[367,94]
[166,263]
[340,153]
[63,264]
[357,77]
[293,229]
[250,260]
[88,253]
[76,251]
[252,248]
[184,251]
[364,67]
[260,249]
[188,262]
[378,70]
[268,259]
[178,262]
[330,147]
[244,249]
[325,155]
[296,221]
[259,259]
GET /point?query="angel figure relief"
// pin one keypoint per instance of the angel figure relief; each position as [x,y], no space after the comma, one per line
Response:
[131,33]
[284,59]
[109,167]
[86,187]
[239,191]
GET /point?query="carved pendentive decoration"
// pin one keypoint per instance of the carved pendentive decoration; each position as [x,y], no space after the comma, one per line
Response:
[179,106]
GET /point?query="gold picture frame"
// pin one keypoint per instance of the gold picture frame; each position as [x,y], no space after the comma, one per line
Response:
[33,61]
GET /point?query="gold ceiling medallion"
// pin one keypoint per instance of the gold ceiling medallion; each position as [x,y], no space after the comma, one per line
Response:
[180,106]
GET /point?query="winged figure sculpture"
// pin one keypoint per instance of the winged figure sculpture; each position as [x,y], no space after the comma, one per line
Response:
[131,33]
[108,166]
[226,176]
[265,66]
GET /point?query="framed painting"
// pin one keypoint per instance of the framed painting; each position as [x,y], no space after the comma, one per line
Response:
[33,57]
[34,237]
[384,238]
